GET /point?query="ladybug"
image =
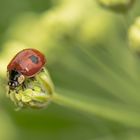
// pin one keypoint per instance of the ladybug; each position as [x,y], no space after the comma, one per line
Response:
[26,64]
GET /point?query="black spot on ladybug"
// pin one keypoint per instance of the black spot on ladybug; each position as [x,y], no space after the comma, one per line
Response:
[34,59]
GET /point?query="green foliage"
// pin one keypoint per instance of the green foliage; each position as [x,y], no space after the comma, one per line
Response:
[95,73]
[37,93]
[134,36]
[117,5]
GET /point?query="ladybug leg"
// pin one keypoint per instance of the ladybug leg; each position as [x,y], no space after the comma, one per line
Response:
[32,78]
[16,91]
[42,70]
[9,91]
[23,86]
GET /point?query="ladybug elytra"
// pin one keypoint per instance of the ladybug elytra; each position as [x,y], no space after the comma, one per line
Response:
[27,63]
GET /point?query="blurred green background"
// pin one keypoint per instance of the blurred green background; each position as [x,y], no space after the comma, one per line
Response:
[89,60]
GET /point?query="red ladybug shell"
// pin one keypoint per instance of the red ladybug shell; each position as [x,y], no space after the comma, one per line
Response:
[28,62]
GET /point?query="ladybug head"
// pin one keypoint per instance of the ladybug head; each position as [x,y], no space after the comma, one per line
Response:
[15,79]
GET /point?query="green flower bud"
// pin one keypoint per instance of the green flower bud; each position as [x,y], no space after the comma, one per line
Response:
[134,36]
[117,5]
[37,92]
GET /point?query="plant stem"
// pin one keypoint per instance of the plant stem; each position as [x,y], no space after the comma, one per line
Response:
[117,113]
